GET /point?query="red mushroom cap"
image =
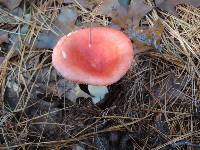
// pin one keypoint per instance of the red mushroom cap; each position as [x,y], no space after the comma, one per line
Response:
[96,56]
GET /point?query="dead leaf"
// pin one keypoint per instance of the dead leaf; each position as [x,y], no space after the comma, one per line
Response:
[117,12]
[6,18]
[64,23]
[78,147]
[10,4]
[140,47]
[124,3]
[17,40]
[1,60]
[170,5]
[12,90]
[137,10]
[46,40]
[69,90]
[145,39]
[3,37]
[123,16]
[108,6]
[83,3]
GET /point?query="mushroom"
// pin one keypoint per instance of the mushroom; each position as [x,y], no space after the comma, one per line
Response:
[97,56]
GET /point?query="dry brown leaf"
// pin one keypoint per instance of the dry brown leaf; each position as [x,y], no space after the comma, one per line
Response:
[108,6]
[64,23]
[147,38]
[1,60]
[10,4]
[67,89]
[83,3]
[169,5]
[113,9]
[3,37]
[122,16]
[140,47]
[66,20]
[137,10]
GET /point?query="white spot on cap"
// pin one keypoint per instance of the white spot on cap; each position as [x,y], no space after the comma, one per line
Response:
[69,34]
[64,54]
[90,45]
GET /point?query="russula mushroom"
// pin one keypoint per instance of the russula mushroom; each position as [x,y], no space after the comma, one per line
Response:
[95,56]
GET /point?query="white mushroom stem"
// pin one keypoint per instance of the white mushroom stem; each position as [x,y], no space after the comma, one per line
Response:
[98,92]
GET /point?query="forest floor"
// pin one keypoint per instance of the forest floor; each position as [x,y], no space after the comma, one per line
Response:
[156,105]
